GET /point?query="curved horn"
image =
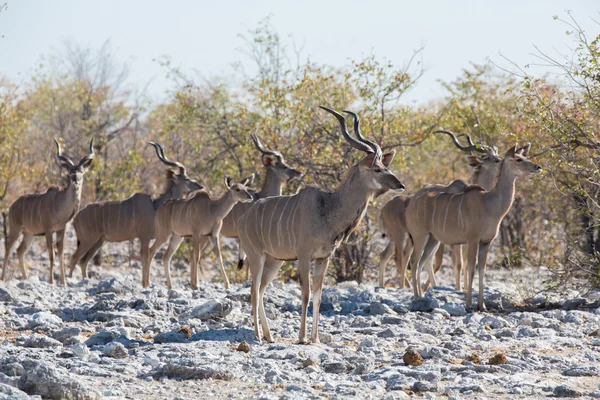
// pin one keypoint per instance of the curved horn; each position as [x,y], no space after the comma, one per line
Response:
[359,135]
[89,156]
[355,143]
[160,152]
[63,160]
[471,147]
[261,148]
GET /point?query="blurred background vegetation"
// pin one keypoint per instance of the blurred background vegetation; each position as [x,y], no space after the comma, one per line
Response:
[77,93]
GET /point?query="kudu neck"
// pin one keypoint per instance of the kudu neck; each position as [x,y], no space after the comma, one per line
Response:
[222,206]
[503,193]
[350,200]
[172,192]
[273,185]
[484,177]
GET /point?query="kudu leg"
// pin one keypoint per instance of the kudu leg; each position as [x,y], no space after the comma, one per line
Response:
[439,258]
[146,261]
[471,261]
[88,256]
[270,271]
[304,273]
[217,251]
[11,241]
[431,246]
[256,264]
[198,242]
[21,250]
[385,256]
[482,254]
[203,253]
[458,265]
[80,251]
[415,263]
[60,246]
[173,246]
[402,258]
[318,278]
[50,245]
[158,243]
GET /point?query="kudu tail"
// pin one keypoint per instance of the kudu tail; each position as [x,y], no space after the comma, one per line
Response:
[242,257]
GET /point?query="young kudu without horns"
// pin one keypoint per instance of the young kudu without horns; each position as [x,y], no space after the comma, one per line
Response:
[117,221]
[46,213]
[472,218]
[393,214]
[309,226]
[200,218]
[278,174]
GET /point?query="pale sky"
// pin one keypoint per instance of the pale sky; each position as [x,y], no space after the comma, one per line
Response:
[203,35]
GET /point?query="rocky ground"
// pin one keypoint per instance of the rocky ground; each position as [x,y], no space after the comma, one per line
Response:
[107,338]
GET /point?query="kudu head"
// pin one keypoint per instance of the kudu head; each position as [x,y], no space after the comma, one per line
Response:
[181,182]
[373,169]
[241,191]
[76,171]
[515,159]
[274,161]
[486,160]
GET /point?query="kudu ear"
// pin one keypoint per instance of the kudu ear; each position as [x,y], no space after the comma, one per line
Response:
[511,152]
[171,174]
[269,160]
[368,160]
[387,158]
[473,161]
[228,181]
[86,165]
[248,181]
[524,151]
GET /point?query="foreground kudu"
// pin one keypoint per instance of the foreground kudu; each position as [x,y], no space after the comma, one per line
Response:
[200,218]
[393,214]
[278,174]
[117,221]
[471,218]
[310,225]
[46,213]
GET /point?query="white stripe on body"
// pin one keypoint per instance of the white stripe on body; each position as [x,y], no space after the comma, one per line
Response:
[293,224]
[262,229]
[447,207]
[271,226]
[460,219]
[279,222]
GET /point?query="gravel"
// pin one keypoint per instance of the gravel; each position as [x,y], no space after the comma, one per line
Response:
[109,338]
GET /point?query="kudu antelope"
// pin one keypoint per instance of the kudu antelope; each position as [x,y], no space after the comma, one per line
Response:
[200,218]
[472,218]
[393,215]
[309,226]
[117,221]
[46,213]
[278,174]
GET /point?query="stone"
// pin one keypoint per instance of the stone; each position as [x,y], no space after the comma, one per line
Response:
[335,367]
[115,350]
[498,359]
[41,341]
[12,393]
[392,320]
[455,309]
[5,296]
[573,304]
[56,383]
[420,386]
[582,371]
[212,309]
[378,308]
[186,331]
[114,285]
[424,304]
[170,337]
[188,369]
[80,351]
[386,333]
[66,333]
[44,319]
[565,391]
[244,347]
[474,358]
[413,358]
[102,338]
